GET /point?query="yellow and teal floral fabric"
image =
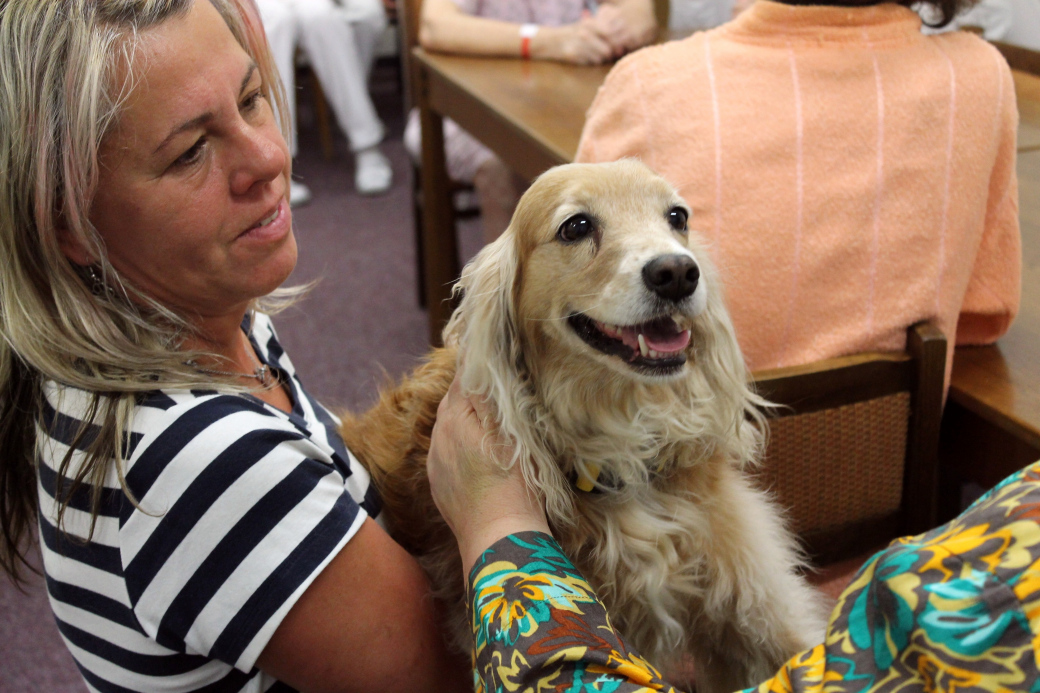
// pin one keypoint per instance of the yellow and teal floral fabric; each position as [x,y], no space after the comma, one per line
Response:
[956,609]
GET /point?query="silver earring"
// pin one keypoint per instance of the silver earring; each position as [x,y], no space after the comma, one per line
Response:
[98,287]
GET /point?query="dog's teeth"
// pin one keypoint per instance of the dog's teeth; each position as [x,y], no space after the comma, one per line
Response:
[642,345]
[653,354]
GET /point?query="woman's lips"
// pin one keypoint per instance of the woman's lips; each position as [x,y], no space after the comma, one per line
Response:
[273,226]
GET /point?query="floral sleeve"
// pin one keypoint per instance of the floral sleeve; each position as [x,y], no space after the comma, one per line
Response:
[954,609]
[539,626]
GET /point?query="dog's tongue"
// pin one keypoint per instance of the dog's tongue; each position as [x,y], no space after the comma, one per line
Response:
[660,335]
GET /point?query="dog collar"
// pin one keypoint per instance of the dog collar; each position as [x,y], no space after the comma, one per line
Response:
[594,481]
[587,483]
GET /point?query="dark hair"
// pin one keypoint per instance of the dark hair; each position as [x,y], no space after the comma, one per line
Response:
[938,13]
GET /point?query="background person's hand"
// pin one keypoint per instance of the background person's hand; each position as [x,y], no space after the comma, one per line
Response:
[480,499]
[578,43]
[611,25]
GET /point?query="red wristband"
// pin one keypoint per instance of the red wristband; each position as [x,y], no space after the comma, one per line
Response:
[527,32]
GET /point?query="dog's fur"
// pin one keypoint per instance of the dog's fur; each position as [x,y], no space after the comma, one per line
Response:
[688,557]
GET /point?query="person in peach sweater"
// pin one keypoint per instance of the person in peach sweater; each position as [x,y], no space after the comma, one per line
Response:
[852,175]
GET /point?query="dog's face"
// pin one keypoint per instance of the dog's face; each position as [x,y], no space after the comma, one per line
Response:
[596,326]
[606,269]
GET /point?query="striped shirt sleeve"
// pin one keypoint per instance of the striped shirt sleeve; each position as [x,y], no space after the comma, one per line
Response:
[237,512]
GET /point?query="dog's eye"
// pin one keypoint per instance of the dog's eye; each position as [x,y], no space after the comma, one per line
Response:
[677,218]
[576,228]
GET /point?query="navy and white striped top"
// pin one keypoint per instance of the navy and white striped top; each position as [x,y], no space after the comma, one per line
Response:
[240,506]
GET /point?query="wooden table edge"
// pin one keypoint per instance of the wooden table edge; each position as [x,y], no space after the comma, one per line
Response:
[548,152]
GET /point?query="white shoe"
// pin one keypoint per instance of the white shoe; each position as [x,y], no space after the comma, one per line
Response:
[299,194]
[372,173]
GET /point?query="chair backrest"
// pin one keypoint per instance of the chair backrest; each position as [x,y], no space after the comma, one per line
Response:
[853,450]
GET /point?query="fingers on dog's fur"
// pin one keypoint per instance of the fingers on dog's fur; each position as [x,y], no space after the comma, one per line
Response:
[486,328]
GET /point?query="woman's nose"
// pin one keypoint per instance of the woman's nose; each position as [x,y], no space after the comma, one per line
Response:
[262,156]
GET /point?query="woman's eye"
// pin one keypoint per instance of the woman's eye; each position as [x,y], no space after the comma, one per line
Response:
[253,100]
[576,228]
[193,154]
[677,219]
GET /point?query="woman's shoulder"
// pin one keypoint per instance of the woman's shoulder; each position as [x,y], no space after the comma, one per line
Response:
[967,48]
[658,67]
[655,77]
[177,417]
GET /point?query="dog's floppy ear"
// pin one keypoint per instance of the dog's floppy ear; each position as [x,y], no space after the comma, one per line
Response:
[484,321]
[485,330]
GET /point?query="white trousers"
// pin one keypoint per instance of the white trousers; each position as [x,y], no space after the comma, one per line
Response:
[339,39]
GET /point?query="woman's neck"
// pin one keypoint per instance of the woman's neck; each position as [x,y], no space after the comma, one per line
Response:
[221,335]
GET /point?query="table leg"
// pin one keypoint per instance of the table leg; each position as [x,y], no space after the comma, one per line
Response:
[440,246]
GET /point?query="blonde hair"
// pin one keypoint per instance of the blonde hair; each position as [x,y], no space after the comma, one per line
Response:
[77,326]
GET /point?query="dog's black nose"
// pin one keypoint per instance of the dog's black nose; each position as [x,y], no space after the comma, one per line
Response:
[672,277]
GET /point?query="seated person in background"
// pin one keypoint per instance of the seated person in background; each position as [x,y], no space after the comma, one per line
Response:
[570,31]
[854,176]
[339,40]
[953,609]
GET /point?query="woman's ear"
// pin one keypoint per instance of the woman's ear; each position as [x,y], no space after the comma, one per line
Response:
[74,246]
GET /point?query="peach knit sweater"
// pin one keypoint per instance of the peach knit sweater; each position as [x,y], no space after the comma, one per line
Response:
[852,175]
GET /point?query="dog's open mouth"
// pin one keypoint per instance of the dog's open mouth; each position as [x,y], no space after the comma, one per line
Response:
[658,345]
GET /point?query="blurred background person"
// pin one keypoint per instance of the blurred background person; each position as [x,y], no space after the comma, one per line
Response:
[571,31]
[340,40]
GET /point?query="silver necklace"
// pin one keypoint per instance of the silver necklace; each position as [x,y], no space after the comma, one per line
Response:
[261,373]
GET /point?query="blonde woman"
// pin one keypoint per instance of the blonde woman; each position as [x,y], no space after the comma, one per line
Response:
[201,524]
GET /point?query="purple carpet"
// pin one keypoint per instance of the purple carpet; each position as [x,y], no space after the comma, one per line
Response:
[360,323]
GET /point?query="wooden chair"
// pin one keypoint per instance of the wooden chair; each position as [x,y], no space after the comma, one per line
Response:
[321,111]
[853,450]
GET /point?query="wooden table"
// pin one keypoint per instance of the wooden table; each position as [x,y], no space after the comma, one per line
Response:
[531,114]
[991,426]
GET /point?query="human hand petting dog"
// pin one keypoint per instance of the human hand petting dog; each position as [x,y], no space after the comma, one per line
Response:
[480,499]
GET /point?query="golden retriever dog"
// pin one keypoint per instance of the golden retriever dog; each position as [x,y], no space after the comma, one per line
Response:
[596,327]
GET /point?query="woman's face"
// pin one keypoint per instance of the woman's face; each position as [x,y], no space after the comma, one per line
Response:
[192,199]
